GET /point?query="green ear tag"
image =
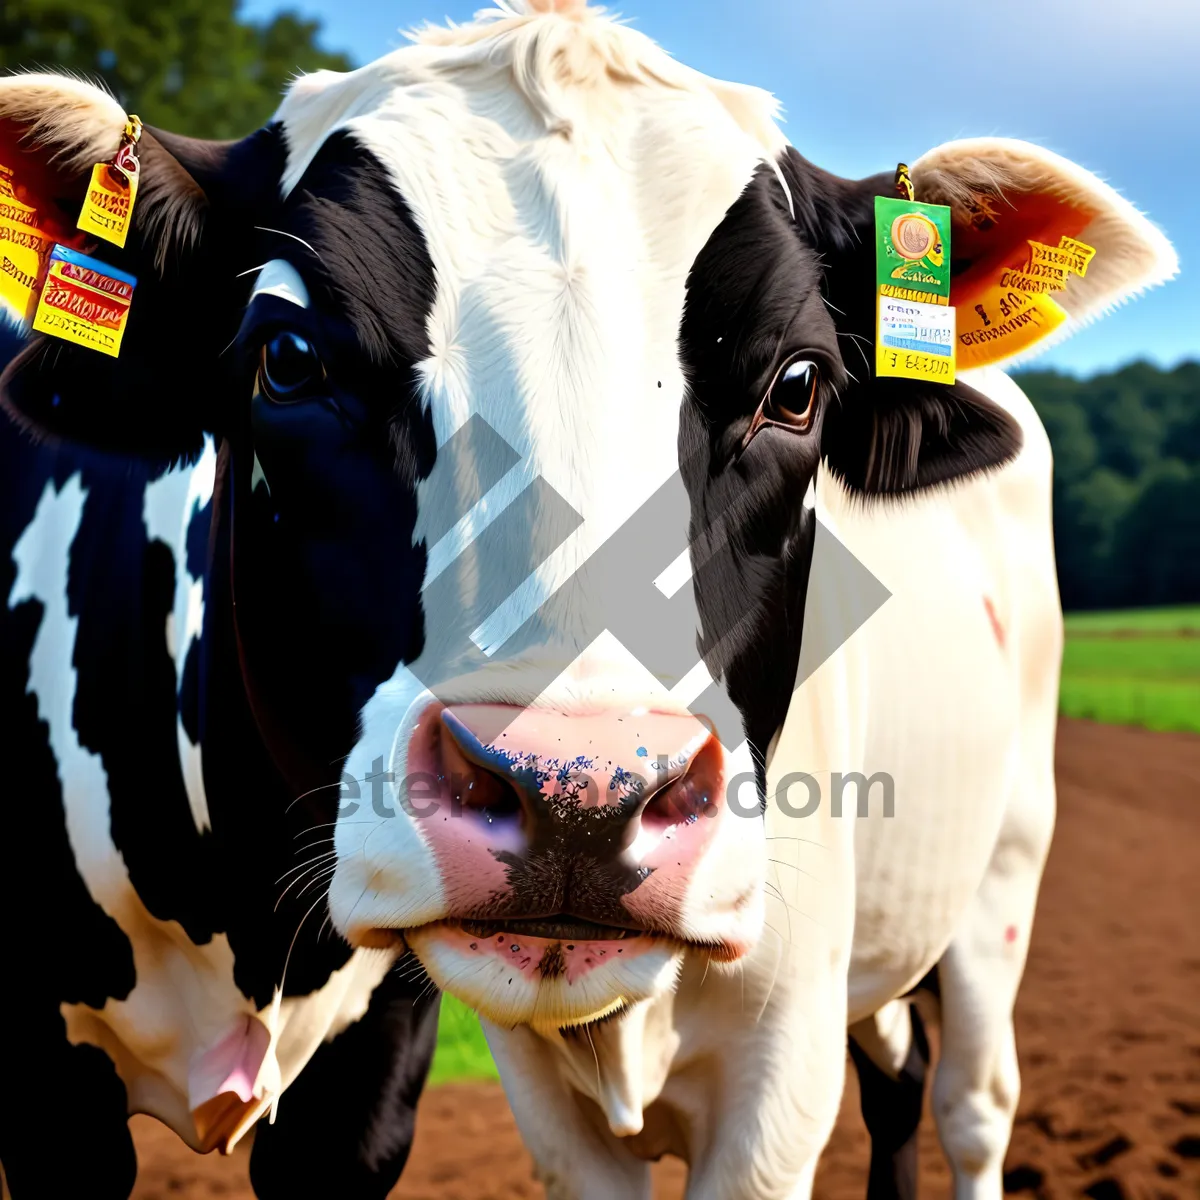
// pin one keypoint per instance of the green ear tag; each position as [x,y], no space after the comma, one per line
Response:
[914,335]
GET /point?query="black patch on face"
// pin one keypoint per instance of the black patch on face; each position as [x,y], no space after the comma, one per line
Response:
[768,288]
[754,301]
[330,546]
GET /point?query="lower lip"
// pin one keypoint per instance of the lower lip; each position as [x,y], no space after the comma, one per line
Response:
[543,958]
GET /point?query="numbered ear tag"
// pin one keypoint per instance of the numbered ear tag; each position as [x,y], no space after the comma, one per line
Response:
[915,328]
[84,301]
[108,206]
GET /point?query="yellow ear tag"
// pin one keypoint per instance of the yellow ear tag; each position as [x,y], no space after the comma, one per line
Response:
[1002,323]
[1018,312]
[108,206]
[84,301]
[24,249]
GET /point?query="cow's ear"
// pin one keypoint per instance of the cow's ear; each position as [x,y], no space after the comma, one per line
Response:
[897,435]
[192,232]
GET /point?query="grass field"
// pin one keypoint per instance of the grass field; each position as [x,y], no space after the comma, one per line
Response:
[1134,668]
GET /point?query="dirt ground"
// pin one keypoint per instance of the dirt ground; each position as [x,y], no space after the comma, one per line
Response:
[1108,1020]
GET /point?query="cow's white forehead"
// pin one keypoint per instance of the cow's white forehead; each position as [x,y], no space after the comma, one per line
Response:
[564,174]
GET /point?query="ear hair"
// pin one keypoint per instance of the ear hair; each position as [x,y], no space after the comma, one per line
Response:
[975,185]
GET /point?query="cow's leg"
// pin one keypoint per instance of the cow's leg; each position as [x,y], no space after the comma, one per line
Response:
[891,1054]
[65,1125]
[345,1126]
[977,1081]
[575,1156]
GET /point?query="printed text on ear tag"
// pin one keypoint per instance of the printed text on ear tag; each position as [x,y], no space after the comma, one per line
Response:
[108,206]
[84,301]
[1018,312]
[914,334]
[24,250]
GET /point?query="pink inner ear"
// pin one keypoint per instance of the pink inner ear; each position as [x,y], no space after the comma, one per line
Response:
[39,183]
[987,253]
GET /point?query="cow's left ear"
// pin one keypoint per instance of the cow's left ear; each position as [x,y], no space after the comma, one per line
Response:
[1006,198]
[192,232]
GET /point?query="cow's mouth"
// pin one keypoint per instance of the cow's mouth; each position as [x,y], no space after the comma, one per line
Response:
[549,971]
[559,927]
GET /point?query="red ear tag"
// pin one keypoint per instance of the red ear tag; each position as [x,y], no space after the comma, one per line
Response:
[84,301]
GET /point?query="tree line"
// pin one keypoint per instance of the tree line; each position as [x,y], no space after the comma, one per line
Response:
[194,67]
[1126,483]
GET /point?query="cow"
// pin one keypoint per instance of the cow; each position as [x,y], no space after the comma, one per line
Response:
[551,558]
[153,962]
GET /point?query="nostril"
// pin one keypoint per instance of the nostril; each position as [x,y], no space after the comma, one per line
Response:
[689,798]
[679,803]
[484,792]
[472,786]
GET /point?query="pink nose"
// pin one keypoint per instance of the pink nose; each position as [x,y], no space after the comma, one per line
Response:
[544,813]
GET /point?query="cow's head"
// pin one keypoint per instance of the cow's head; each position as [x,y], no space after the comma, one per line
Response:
[491,330]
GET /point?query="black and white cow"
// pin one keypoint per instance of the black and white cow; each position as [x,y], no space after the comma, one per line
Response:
[504,369]
[165,946]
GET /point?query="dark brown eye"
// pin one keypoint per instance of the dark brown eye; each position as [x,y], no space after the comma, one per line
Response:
[793,395]
[290,368]
[791,400]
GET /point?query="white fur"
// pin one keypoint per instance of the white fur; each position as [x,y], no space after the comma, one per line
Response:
[560,260]
[279,278]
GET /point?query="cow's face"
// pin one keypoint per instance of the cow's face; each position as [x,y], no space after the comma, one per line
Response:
[493,331]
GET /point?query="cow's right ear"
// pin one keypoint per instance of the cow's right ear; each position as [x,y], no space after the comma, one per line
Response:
[192,232]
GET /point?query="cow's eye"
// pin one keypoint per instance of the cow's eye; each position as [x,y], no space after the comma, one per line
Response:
[290,368]
[793,395]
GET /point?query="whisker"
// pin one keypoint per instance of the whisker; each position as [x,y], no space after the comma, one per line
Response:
[284,233]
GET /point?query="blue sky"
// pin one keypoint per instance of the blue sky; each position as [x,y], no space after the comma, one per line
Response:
[1112,84]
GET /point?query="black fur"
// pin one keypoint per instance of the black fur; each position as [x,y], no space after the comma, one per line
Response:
[273,707]
[891,1110]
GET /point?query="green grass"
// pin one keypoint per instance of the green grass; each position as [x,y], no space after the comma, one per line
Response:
[1134,668]
[1135,620]
[461,1051]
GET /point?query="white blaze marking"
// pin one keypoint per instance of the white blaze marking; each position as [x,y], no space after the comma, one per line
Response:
[280,278]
